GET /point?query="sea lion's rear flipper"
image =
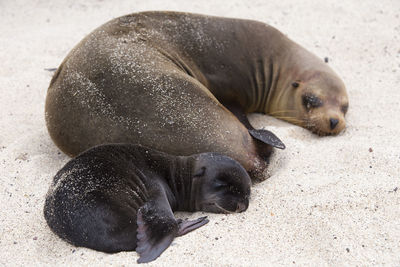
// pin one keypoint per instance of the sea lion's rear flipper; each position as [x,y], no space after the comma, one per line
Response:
[187,226]
[267,137]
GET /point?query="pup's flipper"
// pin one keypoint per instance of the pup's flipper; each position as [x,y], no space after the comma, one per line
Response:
[157,228]
[154,233]
[187,226]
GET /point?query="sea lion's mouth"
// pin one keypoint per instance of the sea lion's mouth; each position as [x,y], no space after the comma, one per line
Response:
[320,128]
[318,131]
[215,208]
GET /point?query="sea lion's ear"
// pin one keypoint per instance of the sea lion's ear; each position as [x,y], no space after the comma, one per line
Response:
[267,137]
[296,83]
[200,172]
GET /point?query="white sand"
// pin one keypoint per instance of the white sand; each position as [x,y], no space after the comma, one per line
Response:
[329,201]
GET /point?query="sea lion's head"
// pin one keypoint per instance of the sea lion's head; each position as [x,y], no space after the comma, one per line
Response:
[320,103]
[220,184]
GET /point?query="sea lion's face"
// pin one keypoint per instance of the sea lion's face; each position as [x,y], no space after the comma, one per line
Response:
[222,184]
[321,103]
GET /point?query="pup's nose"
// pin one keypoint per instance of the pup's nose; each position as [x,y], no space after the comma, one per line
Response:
[333,122]
[241,207]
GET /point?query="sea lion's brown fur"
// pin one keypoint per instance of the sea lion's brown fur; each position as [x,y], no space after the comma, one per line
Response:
[172,81]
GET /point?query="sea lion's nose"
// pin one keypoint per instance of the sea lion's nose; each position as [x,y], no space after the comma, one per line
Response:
[240,207]
[333,123]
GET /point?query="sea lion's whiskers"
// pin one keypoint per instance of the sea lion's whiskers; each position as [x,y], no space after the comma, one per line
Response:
[281,111]
[290,119]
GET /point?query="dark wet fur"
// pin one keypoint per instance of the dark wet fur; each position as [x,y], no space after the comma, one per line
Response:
[99,199]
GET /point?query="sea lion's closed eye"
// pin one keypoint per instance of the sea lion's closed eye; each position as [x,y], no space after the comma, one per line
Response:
[311,101]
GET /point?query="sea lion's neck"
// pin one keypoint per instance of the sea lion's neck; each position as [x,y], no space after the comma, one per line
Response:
[261,79]
[179,180]
[278,100]
[173,174]
[269,63]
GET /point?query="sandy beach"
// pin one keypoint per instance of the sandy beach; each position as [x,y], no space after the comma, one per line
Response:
[329,201]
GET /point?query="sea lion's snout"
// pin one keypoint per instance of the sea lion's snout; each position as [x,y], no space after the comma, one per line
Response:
[325,122]
[242,206]
[333,122]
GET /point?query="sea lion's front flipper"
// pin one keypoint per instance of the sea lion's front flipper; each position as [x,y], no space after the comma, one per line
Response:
[155,232]
[264,136]
[267,137]
[239,114]
[157,228]
[187,226]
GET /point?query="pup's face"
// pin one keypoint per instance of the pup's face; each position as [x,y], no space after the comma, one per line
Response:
[221,184]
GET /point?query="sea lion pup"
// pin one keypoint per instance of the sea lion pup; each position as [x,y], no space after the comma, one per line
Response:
[121,197]
[183,83]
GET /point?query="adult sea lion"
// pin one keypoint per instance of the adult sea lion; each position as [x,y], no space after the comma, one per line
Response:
[183,83]
[121,197]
